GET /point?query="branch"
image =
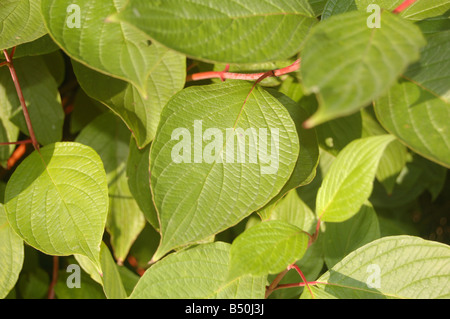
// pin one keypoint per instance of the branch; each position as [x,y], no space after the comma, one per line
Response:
[406,4]
[273,286]
[297,268]
[12,70]
[17,143]
[223,75]
[51,289]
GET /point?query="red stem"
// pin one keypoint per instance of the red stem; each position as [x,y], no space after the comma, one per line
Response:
[12,70]
[51,289]
[242,76]
[406,4]
[297,268]
[17,143]
[273,286]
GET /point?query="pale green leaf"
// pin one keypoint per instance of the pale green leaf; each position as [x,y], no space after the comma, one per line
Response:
[408,267]
[138,173]
[41,46]
[109,277]
[293,210]
[11,255]
[241,31]
[267,248]
[9,132]
[20,22]
[57,200]
[347,64]
[308,158]
[140,113]
[418,10]
[348,183]
[114,49]
[110,138]
[191,170]
[197,273]
[394,157]
[416,109]
[43,100]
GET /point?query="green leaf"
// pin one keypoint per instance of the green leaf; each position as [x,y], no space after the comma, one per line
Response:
[109,278]
[11,255]
[20,22]
[409,267]
[308,158]
[9,132]
[347,64]
[340,239]
[140,113]
[422,103]
[348,183]
[57,200]
[267,248]
[197,273]
[113,49]
[418,175]
[293,210]
[394,157]
[41,46]
[311,266]
[89,289]
[236,181]
[110,138]
[43,100]
[138,173]
[334,135]
[317,6]
[242,31]
[418,10]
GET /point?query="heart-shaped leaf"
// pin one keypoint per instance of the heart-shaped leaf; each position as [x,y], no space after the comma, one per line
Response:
[250,150]
[57,200]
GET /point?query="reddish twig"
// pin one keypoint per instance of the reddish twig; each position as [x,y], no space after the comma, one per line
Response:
[12,70]
[273,286]
[223,75]
[51,289]
[17,155]
[17,143]
[406,4]
[297,268]
[313,238]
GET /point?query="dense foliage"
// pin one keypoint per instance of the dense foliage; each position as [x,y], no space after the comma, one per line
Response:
[224,149]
